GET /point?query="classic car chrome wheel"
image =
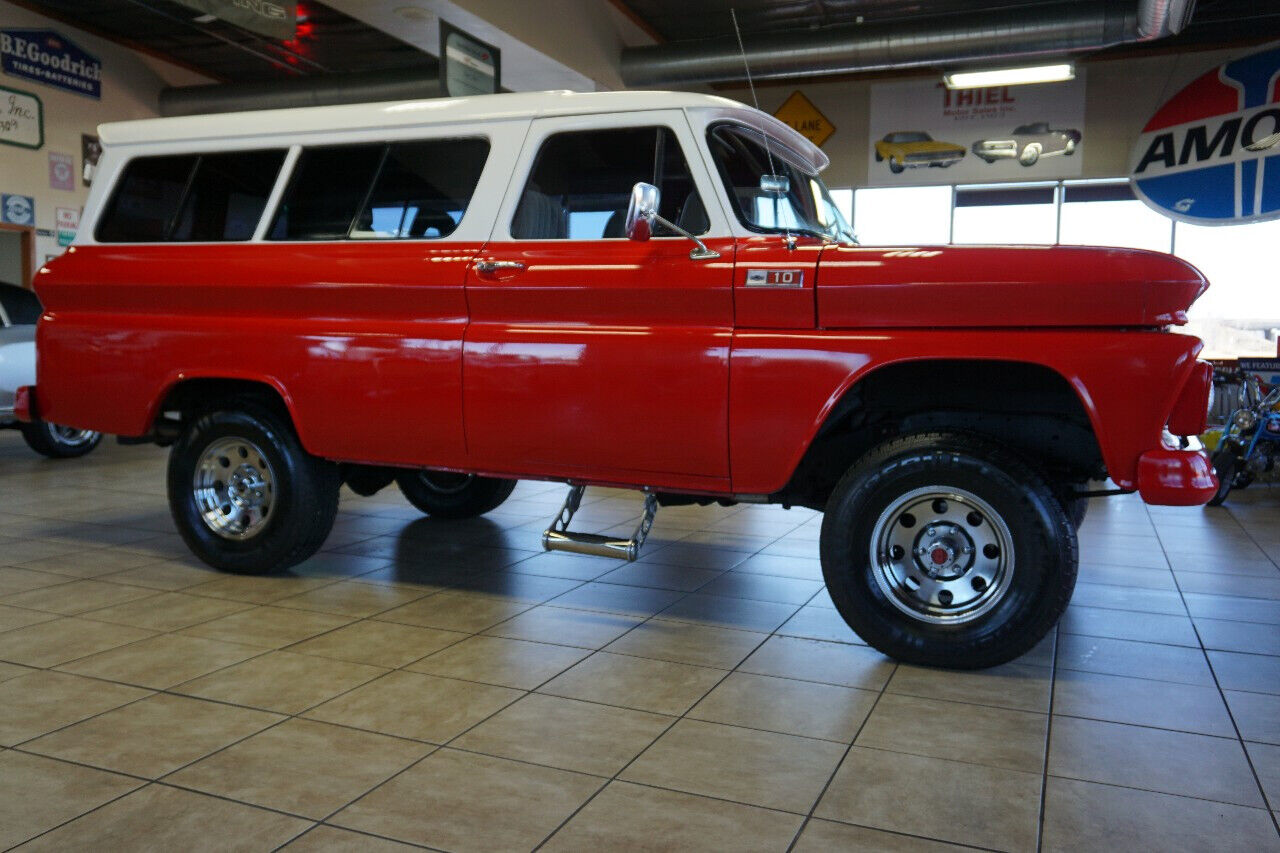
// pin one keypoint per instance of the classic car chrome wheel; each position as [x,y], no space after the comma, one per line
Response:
[59,442]
[234,488]
[942,555]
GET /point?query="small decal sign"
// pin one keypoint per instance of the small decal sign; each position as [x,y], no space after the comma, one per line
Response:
[47,57]
[17,209]
[468,66]
[21,119]
[66,224]
[799,112]
[1211,154]
[775,278]
[62,171]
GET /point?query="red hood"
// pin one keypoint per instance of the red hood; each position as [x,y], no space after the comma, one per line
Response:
[977,286]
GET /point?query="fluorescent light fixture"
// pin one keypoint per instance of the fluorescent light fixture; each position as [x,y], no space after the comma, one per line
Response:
[1010,76]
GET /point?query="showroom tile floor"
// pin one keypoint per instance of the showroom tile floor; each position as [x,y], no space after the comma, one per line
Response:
[450,686]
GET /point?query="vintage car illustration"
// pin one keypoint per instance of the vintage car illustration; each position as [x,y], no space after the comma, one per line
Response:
[908,149]
[1028,143]
[645,290]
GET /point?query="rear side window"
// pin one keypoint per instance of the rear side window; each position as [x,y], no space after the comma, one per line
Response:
[417,189]
[190,197]
[581,183]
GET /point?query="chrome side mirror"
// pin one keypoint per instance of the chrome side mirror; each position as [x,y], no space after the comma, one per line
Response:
[642,213]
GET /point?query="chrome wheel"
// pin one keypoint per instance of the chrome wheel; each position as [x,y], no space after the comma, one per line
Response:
[942,555]
[71,437]
[446,482]
[234,488]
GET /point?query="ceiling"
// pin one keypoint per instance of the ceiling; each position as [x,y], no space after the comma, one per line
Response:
[327,41]
[1214,21]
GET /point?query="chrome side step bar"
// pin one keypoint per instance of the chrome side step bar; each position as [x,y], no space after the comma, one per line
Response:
[558,537]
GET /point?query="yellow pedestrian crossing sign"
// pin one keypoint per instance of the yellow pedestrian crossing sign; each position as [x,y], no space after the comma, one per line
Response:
[799,112]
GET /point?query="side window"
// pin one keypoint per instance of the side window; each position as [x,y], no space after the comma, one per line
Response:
[423,189]
[190,197]
[146,199]
[581,183]
[328,187]
[227,195]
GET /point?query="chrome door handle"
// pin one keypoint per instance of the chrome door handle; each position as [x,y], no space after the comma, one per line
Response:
[494,266]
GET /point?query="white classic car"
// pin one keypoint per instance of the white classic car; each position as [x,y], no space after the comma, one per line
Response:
[19,310]
[1028,143]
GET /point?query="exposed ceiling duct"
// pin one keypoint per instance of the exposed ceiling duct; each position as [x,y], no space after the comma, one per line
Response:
[1005,35]
[311,91]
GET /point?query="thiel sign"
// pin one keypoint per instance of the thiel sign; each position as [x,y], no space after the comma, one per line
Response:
[1211,154]
[46,57]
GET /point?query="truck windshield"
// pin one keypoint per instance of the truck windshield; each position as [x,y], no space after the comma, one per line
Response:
[805,206]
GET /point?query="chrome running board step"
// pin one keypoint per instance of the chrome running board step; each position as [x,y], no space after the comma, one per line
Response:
[558,537]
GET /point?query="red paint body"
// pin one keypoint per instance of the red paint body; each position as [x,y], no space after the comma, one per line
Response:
[611,362]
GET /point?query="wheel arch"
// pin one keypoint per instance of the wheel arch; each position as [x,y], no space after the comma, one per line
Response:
[186,394]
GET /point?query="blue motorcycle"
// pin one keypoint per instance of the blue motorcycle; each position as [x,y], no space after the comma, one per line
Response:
[1250,443]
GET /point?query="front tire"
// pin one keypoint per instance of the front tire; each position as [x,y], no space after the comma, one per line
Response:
[1224,466]
[942,549]
[441,494]
[895,166]
[58,442]
[245,495]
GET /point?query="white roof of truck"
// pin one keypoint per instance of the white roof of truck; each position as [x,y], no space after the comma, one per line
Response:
[480,108]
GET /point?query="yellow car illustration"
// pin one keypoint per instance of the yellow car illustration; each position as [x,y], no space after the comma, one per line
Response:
[911,148]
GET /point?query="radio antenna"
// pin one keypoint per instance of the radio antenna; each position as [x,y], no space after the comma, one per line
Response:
[733,14]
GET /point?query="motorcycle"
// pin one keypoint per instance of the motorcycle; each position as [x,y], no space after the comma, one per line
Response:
[1250,443]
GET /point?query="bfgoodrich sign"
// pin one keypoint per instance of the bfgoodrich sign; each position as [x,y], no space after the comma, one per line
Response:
[46,57]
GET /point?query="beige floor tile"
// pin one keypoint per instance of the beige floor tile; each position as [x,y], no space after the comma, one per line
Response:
[302,767]
[982,806]
[814,660]
[13,670]
[465,802]
[163,661]
[1208,768]
[284,682]
[566,733]
[1266,762]
[90,564]
[646,684]
[14,580]
[498,660]
[728,612]
[613,598]
[61,640]
[18,617]
[268,627]
[409,704]
[257,589]
[763,588]
[456,611]
[997,737]
[1257,715]
[37,794]
[821,836]
[758,768]
[153,736]
[161,818]
[589,629]
[352,598]
[627,817]
[167,575]
[1255,673]
[1012,685]
[684,642]
[78,596]
[805,708]
[819,622]
[1182,707]
[328,839]
[658,576]
[386,644]
[167,611]
[1134,659]
[41,701]
[1084,816]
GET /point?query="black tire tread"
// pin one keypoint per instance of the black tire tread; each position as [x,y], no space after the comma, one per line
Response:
[37,439]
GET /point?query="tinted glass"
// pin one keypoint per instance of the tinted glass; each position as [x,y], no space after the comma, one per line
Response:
[20,304]
[581,184]
[145,202]
[423,189]
[328,188]
[227,195]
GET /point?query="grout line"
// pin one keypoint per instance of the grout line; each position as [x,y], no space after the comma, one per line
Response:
[1048,740]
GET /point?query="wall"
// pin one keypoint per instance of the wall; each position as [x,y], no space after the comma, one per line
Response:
[1120,96]
[130,87]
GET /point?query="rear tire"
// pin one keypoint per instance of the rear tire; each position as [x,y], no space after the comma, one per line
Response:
[441,494]
[58,442]
[245,495]
[894,540]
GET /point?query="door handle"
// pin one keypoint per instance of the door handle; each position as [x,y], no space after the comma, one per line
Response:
[496,266]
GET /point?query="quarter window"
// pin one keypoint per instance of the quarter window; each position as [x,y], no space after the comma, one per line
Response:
[383,191]
[190,197]
[581,184]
